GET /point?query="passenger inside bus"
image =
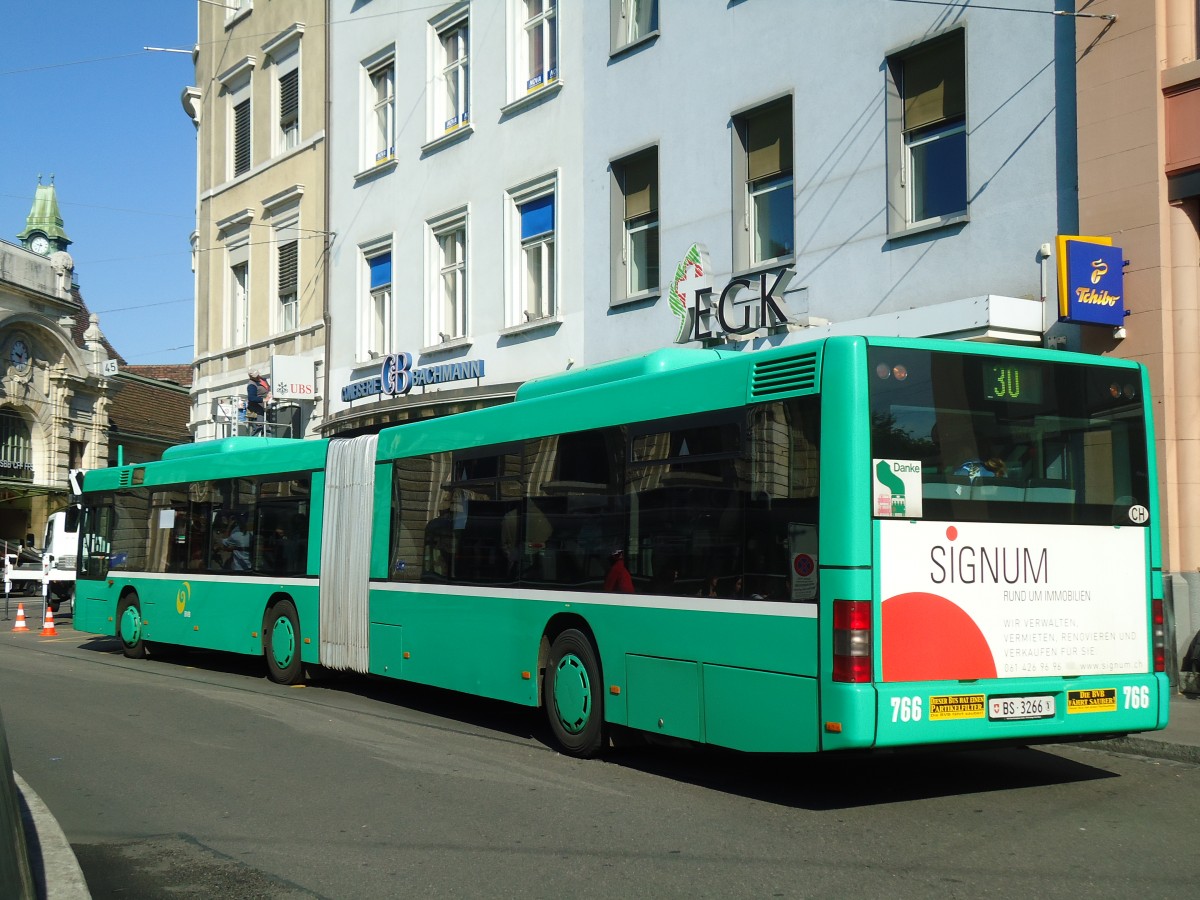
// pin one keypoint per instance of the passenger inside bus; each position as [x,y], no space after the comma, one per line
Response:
[237,542]
[220,531]
[618,580]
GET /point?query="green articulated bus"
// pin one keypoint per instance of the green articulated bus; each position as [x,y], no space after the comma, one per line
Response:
[852,543]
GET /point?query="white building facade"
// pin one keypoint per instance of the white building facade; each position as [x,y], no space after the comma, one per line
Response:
[519,187]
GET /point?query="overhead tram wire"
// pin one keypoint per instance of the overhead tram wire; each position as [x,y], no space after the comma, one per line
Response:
[163,350]
[144,50]
[966,4]
[143,306]
[146,212]
[69,63]
[1111,17]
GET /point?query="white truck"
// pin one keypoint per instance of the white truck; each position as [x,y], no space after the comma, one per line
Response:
[55,572]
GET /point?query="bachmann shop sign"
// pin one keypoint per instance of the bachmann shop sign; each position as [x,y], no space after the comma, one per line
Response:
[397,376]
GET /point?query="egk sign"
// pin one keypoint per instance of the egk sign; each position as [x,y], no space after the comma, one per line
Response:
[701,317]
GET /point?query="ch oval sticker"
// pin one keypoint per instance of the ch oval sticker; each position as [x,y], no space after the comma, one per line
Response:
[1139,515]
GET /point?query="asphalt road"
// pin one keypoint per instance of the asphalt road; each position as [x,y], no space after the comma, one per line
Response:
[195,776]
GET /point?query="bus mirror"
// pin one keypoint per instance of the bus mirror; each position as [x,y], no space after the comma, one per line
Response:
[75,480]
[71,519]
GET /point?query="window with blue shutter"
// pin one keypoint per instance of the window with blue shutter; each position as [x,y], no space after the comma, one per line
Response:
[537,217]
[381,270]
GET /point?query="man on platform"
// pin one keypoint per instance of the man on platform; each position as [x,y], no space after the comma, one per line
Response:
[258,395]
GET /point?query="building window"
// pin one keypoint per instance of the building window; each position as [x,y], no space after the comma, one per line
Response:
[451,91]
[375,320]
[537,44]
[635,219]
[448,307]
[16,446]
[241,125]
[381,112]
[237,327]
[536,279]
[531,266]
[288,277]
[76,453]
[763,194]
[235,9]
[927,133]
[632,21]
[289,110]
[283,53]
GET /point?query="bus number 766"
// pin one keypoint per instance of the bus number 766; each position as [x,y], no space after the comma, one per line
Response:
[906,709]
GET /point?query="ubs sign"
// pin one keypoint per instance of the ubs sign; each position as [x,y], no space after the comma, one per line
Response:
[732,312]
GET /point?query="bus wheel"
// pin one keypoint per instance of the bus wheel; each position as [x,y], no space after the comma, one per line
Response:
[574,696]
[129,627]
[281,642]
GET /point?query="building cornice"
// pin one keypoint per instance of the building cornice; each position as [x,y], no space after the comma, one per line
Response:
[281,41]
[219,189]
[288,195]
[235,220]
[239,70]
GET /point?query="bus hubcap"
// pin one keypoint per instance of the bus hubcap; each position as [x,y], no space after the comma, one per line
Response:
[131,625]
[572,693]
[283,642]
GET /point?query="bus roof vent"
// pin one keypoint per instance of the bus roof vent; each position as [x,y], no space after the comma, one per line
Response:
[668,359]
[789,375]
[126,478]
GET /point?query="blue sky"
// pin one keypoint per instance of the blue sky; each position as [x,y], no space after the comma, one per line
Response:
[81,99]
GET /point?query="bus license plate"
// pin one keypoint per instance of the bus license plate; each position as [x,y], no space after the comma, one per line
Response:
[1021,707]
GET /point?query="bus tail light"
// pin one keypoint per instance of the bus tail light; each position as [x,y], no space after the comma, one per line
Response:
[1160,636]
[851,641]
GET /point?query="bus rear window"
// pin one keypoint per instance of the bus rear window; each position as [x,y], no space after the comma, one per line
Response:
[1001,439]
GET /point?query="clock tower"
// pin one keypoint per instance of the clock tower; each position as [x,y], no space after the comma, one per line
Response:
[44,225]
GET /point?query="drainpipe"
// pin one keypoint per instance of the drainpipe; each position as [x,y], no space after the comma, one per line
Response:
[1182,229]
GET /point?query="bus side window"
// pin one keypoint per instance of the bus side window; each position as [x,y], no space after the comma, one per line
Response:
[130,530]
[198,534]
[281,537]
[415,550]
[783,513]
[168,531]
[574,508]
[97,541]
[466,503]
[687,493]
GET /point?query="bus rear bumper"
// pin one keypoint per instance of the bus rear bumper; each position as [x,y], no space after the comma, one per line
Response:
[1026,710]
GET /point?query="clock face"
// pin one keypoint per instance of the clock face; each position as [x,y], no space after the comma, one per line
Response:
[39,244]
[19,354]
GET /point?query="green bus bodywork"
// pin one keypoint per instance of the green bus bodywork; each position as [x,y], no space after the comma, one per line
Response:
[745,672]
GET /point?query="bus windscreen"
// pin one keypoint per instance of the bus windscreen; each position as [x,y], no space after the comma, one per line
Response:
[1011,440]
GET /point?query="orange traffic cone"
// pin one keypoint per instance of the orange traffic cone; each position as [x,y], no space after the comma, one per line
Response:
[20,623]
[48,624]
